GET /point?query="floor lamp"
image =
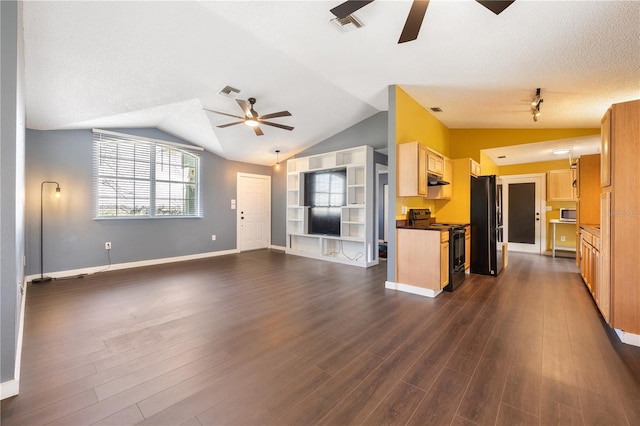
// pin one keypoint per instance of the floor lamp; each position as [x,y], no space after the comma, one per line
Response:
[42,278]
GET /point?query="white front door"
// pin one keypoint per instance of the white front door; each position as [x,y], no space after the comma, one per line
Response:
[524,212]
[254,211]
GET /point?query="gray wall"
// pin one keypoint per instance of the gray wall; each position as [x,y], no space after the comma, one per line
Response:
[74,240]
[391,153]
[11,183]
[371,131]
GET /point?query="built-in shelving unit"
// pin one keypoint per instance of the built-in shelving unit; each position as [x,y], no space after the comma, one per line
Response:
[355,245]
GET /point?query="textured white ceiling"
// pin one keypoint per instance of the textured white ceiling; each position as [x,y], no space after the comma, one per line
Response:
[136,64]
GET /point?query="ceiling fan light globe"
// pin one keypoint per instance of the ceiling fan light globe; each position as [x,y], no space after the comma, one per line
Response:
[251,122]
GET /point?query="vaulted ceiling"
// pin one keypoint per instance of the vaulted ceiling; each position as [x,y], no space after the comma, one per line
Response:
[158,64]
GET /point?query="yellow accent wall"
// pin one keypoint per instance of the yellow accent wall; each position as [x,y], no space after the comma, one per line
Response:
[528,168]
[469,142]
[487,166]
[458,209]
[414,123]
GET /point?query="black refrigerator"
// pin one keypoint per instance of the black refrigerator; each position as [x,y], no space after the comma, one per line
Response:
[486,225]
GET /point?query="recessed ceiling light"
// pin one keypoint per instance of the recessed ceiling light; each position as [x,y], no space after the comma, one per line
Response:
[560,151]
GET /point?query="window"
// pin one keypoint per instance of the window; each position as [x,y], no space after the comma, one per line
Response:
[140,177]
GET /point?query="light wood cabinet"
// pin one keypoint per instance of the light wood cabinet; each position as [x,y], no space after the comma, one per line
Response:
[435,163]
[589,246]
[467,247]
[443,192]
[604,269]
[620,227]
[560,185]
[605,150]
[421,258]
[411,170]
[474,168]
[444,264]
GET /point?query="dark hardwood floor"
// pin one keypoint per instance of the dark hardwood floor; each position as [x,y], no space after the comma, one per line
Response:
[265,338]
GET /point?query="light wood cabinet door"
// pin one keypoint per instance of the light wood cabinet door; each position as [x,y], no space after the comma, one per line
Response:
[443,192]
[467,247]
[412,170]
[604,259]
[435,164]
[560,185]
[444,264]
[474,167]
[605,150]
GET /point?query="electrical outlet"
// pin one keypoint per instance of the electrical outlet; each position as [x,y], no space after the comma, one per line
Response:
[563,238]
[213,237]
[107,245]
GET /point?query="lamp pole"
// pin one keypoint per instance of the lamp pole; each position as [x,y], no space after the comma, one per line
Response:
[42,278]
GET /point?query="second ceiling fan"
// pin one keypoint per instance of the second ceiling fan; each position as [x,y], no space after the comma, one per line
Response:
[416,13]
[251,117]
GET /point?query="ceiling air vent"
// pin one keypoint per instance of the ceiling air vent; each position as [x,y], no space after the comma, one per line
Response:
[348,23]
[502,157]
[436,109]
[229,92]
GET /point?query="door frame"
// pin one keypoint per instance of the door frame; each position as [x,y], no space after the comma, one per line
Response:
[541,204]
[239,177]
[381,169]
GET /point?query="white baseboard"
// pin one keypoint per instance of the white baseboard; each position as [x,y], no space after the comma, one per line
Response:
[116,266]
[9,388]
[628,338]
[420,291]
[281,248]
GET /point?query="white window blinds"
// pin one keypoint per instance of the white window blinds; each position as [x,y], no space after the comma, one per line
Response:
[141,177]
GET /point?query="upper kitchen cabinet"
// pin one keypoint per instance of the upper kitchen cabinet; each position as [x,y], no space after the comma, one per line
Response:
[435,164]
[474,167]
[443,192]
[412,169]
[588,190]
[561,185]
[605,157]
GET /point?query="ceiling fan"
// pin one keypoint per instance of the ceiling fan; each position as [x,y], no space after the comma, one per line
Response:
[416,13]
[251,117]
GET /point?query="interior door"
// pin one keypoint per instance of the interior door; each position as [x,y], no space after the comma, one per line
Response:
[523,213]
[253,211]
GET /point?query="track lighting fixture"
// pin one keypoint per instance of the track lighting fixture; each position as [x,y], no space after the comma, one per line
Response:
[535,105]
[277,166]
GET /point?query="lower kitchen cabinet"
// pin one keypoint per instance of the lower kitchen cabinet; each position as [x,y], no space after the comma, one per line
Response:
[422,259]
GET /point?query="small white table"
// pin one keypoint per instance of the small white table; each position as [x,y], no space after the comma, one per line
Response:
[554,223]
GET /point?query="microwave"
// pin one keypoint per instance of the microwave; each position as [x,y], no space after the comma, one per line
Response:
[568,215]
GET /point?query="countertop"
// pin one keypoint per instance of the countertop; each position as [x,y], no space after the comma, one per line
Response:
[593,229]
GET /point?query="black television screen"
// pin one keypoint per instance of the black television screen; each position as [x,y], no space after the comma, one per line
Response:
[325,191]
[324,221]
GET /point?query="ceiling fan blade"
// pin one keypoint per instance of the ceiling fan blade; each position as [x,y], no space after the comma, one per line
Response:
[348,7]
[496,6]
[245,107]
[275,115]
[258,131]
[223,113]
[414,21]
[280,126]
[230,124]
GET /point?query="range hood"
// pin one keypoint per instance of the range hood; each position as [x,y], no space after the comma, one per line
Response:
[435,180]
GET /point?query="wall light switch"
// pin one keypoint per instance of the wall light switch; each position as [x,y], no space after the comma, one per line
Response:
[233,204]
[404,209]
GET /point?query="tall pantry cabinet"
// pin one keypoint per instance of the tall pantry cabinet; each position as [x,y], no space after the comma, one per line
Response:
[620,215]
